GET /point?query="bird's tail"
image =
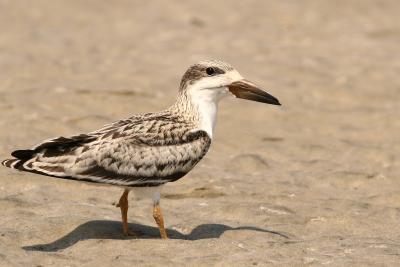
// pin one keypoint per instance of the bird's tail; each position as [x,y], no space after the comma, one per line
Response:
[10,163]
[21,156]
[56,146]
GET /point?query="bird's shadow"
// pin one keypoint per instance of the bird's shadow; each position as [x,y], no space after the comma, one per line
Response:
[102,229]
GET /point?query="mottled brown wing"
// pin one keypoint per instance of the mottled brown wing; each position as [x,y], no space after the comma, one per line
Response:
[126,153]
[134,162]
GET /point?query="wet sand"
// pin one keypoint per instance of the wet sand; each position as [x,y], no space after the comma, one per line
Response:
[314,182]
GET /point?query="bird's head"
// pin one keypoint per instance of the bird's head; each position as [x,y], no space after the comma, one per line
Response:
[211,80]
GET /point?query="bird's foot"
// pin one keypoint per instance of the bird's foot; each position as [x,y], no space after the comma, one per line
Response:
[130,233]
[163,234]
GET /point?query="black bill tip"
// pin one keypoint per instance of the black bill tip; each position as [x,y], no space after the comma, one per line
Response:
[247,90]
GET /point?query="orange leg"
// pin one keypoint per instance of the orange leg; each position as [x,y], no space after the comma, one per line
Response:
[159,220]
[123,205]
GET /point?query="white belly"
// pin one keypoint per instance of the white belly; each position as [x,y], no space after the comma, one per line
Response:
[152,192]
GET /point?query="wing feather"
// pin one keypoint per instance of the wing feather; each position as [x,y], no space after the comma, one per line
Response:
[141,151]
[135,164]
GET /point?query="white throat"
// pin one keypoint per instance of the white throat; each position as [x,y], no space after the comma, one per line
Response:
[206,103]
[205,95]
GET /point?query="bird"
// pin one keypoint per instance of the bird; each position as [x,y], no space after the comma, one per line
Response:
[143,152]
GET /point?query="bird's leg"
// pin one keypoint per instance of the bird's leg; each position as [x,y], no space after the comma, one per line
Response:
[123,205]
[159,220]
[158,216]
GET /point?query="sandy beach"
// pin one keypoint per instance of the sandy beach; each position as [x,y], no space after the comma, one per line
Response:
[314,182]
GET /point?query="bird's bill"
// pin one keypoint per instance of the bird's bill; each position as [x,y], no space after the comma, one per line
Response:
[247,90]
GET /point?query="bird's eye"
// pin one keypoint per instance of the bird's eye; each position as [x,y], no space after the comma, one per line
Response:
[210,71]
